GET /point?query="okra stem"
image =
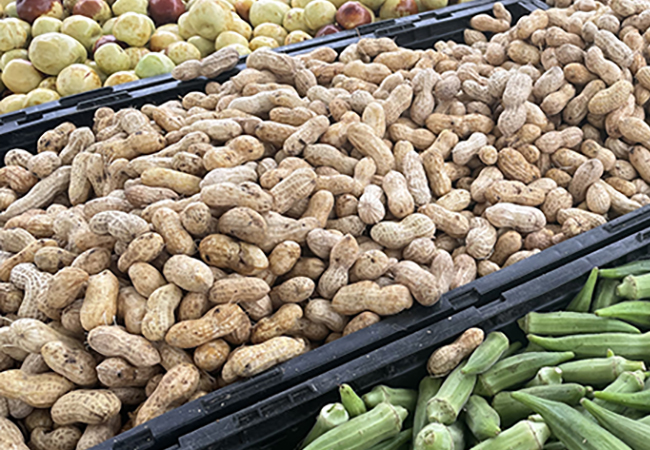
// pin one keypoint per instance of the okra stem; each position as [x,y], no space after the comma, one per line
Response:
[546,376]
[582,301]
[487,354]
[637,400]
[437,436]
[351,401]
[569,426]
[330,417]
[633,268]
[634,287]
[632,432]
[428,388]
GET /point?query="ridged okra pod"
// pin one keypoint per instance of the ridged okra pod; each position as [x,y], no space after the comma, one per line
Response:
[445,406]
[511,411]
[598,371]
[637,400]
[331,416]
[517,369]
[569,426]
[564,323]
[582,301]
[632,432]
[481,419]
[361,433]
[437,436]
[395,443]
[633,268]
[635,311]
[632,346]
[634,287]
[546,376]
[487,354]
[352,402]
[512,349]
[406,398]
[626,383]
[556,445]
[428,388]
[526,435]
[605,294]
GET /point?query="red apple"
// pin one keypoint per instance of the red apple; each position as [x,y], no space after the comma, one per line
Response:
[328,29]
[30,10]
[352,14]
[108,39]
[166,11]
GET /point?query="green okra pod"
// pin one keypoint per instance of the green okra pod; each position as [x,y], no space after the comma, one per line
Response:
[525,435]
[605,294]
[645,420]
[626,383]
[563,323]
[483,421]
[634,311]
[632,346]
[331,416]
[634,287]
[569,426]
[557,445]
[352,402]
[546,376]
[517,369]
[598,371]
[398,442]
[487,354]
[632,432]
[512,411]
[633,268]
[428,388]
[445,406]
[380,423]
[437,436]
[406,398]
[582,301]
[637,400]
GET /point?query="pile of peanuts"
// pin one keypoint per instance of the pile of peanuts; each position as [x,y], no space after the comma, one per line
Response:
[175,249]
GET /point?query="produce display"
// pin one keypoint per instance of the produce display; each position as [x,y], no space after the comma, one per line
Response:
[167,251]
[579,383]
[53,48]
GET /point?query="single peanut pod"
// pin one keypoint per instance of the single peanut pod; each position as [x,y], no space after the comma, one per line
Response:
[38,391]
[178,384]
[86,406]
[100,303]
[76,365]
[160,311]
[447,358]
[144,248]
[369,296]
[114,341]
[64,288]
[480,239]
[520,218]
[168,223]
[216,323]
[188,273]
[361,321]
[212,355]
[278,324]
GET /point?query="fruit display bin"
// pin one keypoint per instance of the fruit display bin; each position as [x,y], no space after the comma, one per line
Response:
[282,421]
[21,129]
[87,100]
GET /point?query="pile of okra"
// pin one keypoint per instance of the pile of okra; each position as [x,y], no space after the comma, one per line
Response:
[579,383]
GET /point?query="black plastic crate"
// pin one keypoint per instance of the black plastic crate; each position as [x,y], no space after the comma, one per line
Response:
[21,129]
[281,421]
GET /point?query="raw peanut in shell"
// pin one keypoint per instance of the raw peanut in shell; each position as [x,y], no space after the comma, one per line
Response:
[447,358]
[233,290]
[284,319]
[100,303]
[38,391]
[144,248]
[179,383]
[64,288]
[524,219]
[369,296]
[76,365]
[395,235]
[159,317]
[114,341]
[188,273]
[216,323]
[587,174]
[86,406]
[251,360]
[480,239]
[342,257]
[145,278]
[30,335]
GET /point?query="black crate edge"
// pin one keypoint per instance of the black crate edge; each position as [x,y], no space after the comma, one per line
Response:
[279,422]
